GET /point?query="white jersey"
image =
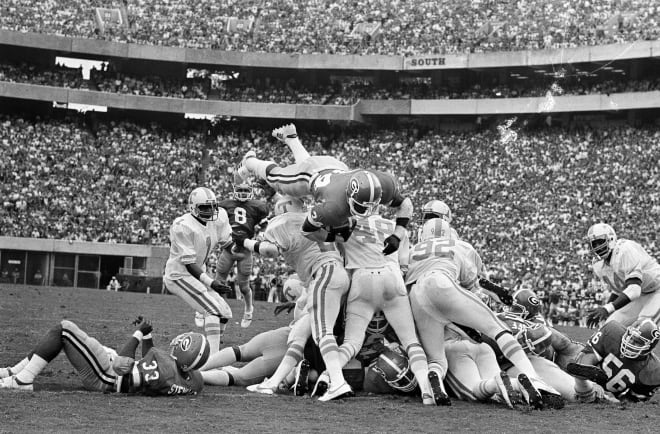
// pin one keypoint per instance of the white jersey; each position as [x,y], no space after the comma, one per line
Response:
[365,246]
[302,254]
[629,260]
[456,258]
[191,242]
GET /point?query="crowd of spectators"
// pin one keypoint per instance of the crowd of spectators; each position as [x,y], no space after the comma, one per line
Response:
[289,91]
[524,198]
[322,26]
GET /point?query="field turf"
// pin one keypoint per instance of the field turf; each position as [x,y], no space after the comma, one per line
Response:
[60,404]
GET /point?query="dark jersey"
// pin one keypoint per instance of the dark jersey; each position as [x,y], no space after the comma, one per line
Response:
[244,215]
[329,191]
[157,374]
[638,378]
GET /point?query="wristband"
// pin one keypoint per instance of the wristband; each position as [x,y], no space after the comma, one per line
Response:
[137,334]
[609,307]
[205,279]
[252,245]
[147,336]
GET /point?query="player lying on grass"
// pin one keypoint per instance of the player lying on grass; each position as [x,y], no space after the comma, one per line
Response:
[102,369]
[621,360]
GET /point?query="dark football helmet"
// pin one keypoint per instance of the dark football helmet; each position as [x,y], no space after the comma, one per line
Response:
[639,339]
[534,339]
[526,304]
[243,192]
[378,323]
[190,350]
[364,193]
[393,366]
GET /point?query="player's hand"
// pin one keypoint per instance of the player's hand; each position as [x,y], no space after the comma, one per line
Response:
[288,306]
[239,239]
[391,244]
[220,287]
[596,316]
[144,326]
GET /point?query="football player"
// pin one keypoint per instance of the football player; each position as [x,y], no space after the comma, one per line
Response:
[443,272]
[102,369]
[630,272]
[377,285]
[245,214]
[193,236]
[321,267]
[620,359]
[338,193]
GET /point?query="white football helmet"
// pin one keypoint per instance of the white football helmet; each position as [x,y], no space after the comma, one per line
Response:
[436,209]
[190,350]
[203,204]
[286,204]
[434,228]
[602,239]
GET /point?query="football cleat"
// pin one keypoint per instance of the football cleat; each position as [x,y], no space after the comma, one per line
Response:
[342,391]
[532,395]
[439,395]
[247,318]
[302,377]
[587,372]
[5,372]
[242,170]
[551,397]
[321,385]
[13,383]
[506,389]
[285,132]
[262,388]
[199,319]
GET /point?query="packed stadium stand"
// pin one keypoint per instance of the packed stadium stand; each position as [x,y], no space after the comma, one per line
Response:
[525,178]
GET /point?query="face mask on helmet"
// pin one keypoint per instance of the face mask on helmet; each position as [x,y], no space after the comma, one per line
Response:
[602,239]
[639,339]
[436,209]
[525,304]
[364,193]
[190,351]
[392,365]
[378,323]
[434,228]
[243,192]
[534,339]
[203,204]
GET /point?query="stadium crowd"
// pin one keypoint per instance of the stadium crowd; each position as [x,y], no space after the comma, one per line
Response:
[524,198]
[348,26]
[289,91]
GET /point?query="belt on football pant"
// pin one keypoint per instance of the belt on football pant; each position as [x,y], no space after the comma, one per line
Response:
[129,382]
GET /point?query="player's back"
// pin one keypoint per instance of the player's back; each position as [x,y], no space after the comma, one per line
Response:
[159,375]
[299,252]
[244,215]
[433,255]
[629,260]
[365,246]
[191,242]
[469,262]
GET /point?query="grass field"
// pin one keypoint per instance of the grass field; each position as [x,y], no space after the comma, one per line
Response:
[60,404]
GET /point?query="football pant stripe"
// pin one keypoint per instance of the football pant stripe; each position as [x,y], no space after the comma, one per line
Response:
[197,297]
[459,388]
[89,356]
[319,301]
[288,179]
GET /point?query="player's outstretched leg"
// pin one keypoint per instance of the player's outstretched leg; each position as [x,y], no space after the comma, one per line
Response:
[288,135]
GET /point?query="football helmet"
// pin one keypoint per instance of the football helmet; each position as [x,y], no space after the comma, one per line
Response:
[364,193]
[639,339]
[436,209]
[602,239]
[190,350]
[526,304]
[293,288]
[286,204]
[534,339]
[378,323]
[393,366]
[203,204]
[243,192]
[434,228]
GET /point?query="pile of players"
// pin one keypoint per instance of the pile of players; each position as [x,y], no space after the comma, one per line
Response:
[375,313]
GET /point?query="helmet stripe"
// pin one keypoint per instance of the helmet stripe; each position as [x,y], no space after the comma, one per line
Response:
[193,365]
[372,187]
